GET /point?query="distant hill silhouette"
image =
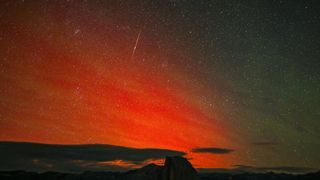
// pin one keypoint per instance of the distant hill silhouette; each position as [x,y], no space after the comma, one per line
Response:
[175,168]
[260,176]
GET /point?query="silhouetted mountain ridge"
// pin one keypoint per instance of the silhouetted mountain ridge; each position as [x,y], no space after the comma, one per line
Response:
[175,168]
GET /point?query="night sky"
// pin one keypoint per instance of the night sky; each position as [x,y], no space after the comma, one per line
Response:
[224,83]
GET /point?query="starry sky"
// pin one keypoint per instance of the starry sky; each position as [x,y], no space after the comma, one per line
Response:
[225,83]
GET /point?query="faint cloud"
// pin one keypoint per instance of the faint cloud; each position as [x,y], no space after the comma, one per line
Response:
[265,143]
[277,169]
[213,150]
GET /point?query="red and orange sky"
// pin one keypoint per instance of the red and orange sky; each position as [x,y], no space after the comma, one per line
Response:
[231,84]
[67,78]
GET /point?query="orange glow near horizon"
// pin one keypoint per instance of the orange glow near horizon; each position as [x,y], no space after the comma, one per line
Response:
[61,86]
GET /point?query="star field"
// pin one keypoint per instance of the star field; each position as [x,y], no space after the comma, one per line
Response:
[226,82]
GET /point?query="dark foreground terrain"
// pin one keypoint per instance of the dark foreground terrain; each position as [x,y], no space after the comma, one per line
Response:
[260,176]
[22,175]
[175,168]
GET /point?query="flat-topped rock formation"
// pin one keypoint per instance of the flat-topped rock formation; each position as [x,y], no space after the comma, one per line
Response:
[175,168]
[178,168]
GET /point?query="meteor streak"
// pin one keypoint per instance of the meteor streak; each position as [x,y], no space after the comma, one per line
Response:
[136,44]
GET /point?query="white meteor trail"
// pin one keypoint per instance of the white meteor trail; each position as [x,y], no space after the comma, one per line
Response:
[136,44]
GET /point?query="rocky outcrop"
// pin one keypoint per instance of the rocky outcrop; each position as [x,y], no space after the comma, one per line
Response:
[178,168]
[175,168]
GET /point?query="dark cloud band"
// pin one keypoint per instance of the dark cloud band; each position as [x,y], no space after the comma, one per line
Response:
[35,156]
[213,150]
